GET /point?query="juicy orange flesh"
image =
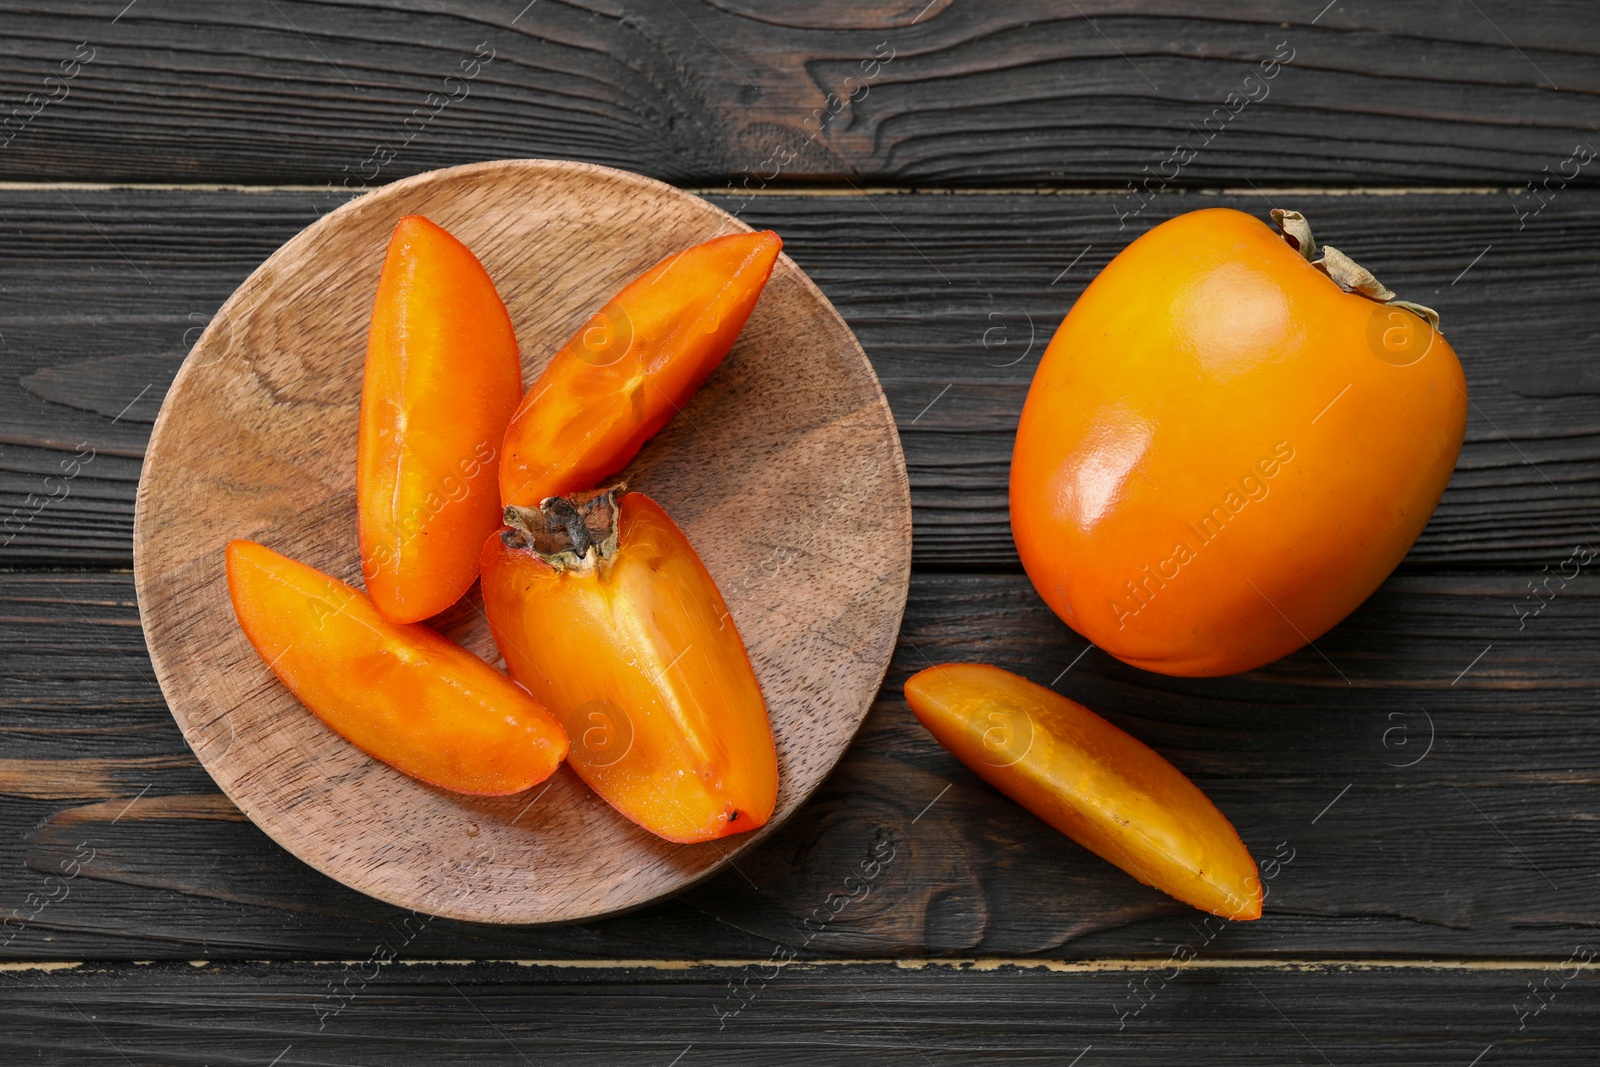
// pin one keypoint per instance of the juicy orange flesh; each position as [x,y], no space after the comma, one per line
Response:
[632,366]
[398,691]
[1106,790]
[442,378]
[640,660]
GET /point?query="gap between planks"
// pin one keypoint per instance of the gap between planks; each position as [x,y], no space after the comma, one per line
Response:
[827,190]
[975,964]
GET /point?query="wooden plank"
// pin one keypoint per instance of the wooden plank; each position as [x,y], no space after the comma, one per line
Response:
[1167,1013]
[1427,789]
[945,292]
[950,92]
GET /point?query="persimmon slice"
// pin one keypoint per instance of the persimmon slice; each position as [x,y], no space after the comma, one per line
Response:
[632,367]
[442,379]
[1106,790]
[400,692]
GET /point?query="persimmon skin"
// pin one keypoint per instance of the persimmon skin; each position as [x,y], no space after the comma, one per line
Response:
[632,367]
[1222,453]
[400,692]
[1108,791]
[640,659]
[442,379]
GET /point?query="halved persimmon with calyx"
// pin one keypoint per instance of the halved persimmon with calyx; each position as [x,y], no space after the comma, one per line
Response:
[605,613]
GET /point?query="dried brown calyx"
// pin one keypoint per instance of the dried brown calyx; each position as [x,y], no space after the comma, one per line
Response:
[1346,273]
[567,532]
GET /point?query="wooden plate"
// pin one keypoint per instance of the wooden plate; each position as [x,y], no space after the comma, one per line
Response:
[785,471]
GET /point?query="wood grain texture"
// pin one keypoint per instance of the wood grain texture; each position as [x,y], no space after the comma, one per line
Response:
[953,297]
[1408,861]
[797,1015]
[1480,851]
[256,440]
[950,92]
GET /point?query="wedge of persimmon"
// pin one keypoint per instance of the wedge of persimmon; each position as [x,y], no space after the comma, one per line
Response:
[607,616]
[632,367]
[398,691]
[1107,791]
[442,379]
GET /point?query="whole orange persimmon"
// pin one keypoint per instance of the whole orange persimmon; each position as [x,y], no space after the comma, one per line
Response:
[1229,445]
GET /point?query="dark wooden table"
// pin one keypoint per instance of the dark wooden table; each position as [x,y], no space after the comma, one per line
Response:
[1424,799]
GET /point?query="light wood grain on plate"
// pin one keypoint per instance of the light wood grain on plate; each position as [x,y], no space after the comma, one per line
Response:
[785,471]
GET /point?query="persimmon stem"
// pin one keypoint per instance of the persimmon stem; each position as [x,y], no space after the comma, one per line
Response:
[567,532]
[1345,272]
[1297,231]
